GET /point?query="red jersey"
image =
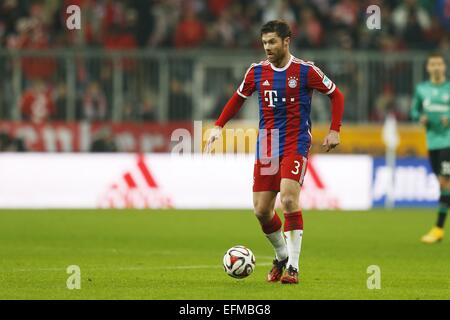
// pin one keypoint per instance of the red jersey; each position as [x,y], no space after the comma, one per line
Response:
[284,96]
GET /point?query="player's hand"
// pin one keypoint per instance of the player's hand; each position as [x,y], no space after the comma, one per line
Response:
[215,134]
[423,120]
[331,140]
[444,121]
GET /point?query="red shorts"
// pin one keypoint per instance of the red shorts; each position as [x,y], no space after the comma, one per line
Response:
[267,177]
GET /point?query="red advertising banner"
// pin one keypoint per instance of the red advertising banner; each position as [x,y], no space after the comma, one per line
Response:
[81,136]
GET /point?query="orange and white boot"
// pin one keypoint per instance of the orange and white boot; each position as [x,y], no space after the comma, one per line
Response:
[290,276]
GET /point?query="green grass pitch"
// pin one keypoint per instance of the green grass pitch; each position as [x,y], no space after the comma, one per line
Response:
[177,254]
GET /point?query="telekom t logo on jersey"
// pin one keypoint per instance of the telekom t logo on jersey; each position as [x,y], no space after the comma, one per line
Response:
[271,96]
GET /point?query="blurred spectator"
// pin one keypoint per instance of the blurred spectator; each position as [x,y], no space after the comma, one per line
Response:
[10,12]
[122,36]
[401,16]
[94,103]
[370,39]
[60,99]
[180,104]
[147,111]
[165,15]
[345,13]
[218,23]
[128,111]
[216,7]
[139,110]
[222,99]
[113,14]
[31,35]
[4,141]
[190,31]
[223,32]
[118,38]
[279,10]
[19,34]
[91,24]
[443,12]
[37,103]
[444,44]
[310,32]
[343,40]
[144,20]
[411,22]
[387,43]
[103,141]
[386,103]
[10,144]
[434,34]
[4,107]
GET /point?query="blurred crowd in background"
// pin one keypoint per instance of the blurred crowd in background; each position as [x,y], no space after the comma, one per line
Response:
[406,24]
[204,24]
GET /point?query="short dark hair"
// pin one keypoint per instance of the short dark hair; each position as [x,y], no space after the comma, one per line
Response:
[280,27]
[435,54]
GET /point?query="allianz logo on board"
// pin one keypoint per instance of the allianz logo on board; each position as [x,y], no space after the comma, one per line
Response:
[411,183]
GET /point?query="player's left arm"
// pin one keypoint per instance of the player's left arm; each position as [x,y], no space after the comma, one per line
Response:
[417,113]
[319,81]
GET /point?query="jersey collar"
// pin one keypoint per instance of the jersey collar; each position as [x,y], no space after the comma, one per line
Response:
[283,68]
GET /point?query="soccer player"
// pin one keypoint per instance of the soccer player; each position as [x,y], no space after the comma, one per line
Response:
[431,107]
[285,85]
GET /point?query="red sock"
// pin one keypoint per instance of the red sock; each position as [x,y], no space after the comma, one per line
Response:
[273,225]
[293,221]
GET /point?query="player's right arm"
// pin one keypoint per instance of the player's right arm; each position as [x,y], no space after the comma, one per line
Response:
[232,107]
[416,108]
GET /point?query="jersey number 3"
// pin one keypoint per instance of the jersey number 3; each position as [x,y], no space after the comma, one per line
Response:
[297,167]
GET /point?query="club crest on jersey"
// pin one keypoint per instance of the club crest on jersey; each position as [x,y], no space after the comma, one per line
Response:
[292,82]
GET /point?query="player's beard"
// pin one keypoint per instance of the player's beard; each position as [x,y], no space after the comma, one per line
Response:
[275,58]
[272,57]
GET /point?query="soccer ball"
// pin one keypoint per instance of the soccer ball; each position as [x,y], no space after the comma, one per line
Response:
[239,262]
